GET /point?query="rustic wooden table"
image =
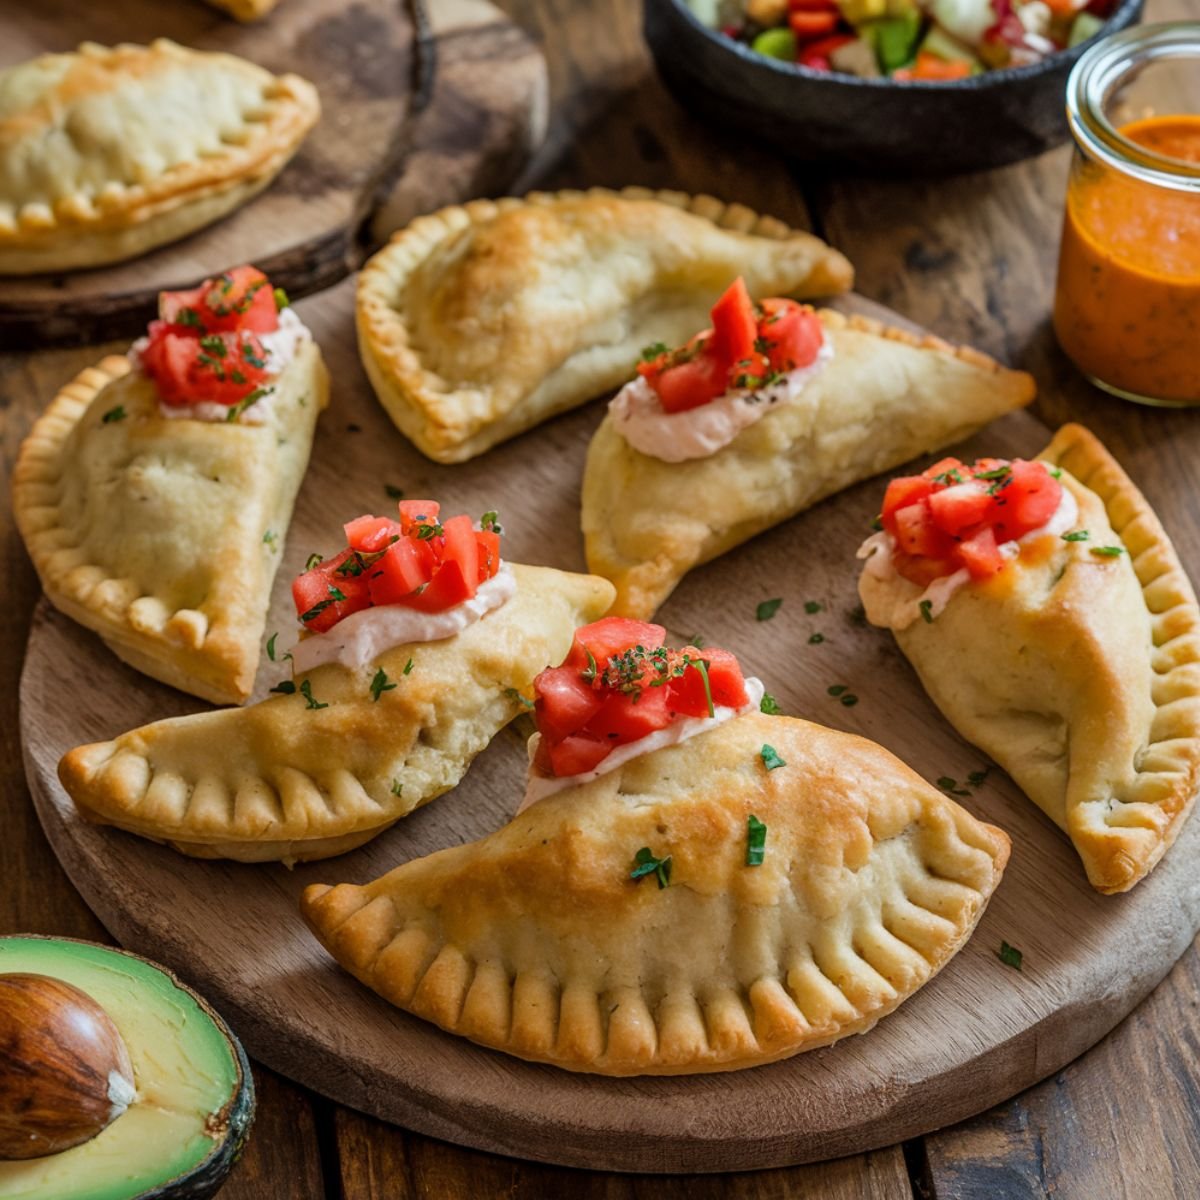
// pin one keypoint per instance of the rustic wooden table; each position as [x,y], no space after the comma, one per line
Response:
[972,258]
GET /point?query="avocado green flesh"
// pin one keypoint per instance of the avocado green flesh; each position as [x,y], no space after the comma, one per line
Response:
[184,1067]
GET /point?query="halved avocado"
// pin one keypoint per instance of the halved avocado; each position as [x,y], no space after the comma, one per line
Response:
[181,1135]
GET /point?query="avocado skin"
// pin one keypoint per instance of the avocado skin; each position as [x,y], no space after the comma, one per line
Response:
[207,1178]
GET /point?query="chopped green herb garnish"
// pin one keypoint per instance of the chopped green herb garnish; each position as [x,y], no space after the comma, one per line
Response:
[271,650]
[1107,551]
[1010,956]
[697,641]
[589,676]
[252,358]
[214,344]
[114,414]
[408,666]
[336,593]
[306,692]
[769,705]
[314,560]
[768,608]
[951,785]
[653,351]
[702,667]
[1055,471]
[271,539]
[281,299]
[514,695]
[285,687]
[813,606]
[645,863]
[816,639]
[997,473]
[427,531]
[926,607]
[394,492]
[877,523]
[858,615]
[770,757]
[849,699]
[189,317]
[397,788]
[490,521]
[380,684]
[250,400]
[837,689]
[756,841]
[976,778]
[1077,535]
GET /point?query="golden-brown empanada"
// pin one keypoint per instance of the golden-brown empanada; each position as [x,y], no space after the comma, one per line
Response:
[884,397]
[328,767]
[537,941]
[245,10]
[1077,668]
[107,153]
[163,535]
[478,322]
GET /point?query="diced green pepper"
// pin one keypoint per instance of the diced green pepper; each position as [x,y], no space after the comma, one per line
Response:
[776,43]
[894,40]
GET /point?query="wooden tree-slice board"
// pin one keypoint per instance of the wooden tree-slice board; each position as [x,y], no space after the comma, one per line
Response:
[978,1033]
[423,104]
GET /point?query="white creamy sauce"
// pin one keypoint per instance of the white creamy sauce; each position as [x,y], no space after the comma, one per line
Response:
[538,787]
[281,346]
[698,432]
[900,604]
[363,636]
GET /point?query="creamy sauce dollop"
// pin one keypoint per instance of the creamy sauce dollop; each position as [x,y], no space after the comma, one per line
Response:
[281,346]
[363,636]
[897,603]
[699,432]
[538,787]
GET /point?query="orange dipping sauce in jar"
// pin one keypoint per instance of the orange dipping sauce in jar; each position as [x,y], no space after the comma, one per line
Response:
[1127,306]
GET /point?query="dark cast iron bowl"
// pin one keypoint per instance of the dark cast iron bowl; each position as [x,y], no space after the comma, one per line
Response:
[812,116]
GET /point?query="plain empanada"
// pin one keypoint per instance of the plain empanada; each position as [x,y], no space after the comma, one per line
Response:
[537,941]
[163,535]
[1079,672]
[480,321]
[106,153]
[884,397]
[328,767]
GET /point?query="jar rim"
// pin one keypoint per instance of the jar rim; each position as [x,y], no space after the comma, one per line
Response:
[1103,69]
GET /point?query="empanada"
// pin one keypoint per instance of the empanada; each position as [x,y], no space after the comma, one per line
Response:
[1076,665]
[245,10]
[537,941]
[478,322]
[882,398]
[107,153]
[328,767]
[161,531]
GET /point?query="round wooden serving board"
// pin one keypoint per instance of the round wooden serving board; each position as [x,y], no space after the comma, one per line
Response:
[423,103]
[975,1035]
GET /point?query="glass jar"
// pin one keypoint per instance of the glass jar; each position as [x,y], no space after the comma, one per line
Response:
[1127,305]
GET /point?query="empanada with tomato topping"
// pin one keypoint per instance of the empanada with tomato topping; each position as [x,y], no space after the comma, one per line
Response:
[347,751]
[618,927]
[106,153]
[154,494]
[1056,630]
[480,321]
[770,439]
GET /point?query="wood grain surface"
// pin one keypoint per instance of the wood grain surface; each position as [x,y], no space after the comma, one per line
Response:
[404,126]
[973,257]
[975,1035]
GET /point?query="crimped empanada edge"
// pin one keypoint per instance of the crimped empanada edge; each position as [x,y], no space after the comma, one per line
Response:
[409,392]
[81,231]
[1175,625]
[217,666]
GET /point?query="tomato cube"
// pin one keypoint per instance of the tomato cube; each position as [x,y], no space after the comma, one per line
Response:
[622,718]
[404,568]
[793,332]
[565,703]
[612,635]
[692,383]
[916,532]
[241,299]
[461,547]
[448,587]
[371,534]
[908,489]
[734,325]
[489,553]
[960,506]
[418,512]
[980,554]
[328,594]
[576,754]
[1027,501]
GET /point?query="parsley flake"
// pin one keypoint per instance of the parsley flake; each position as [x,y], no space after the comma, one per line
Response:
[1107,551]
[271,539]
[397,788]
[756,841]
[428,531]
[998,473]
[1010,956]
[769,705]
[702,667]
[1078,535]
[926,607]
[314,560]
[768,608]
[380,684]
[813,606]
[816,639]
[653,351]
[393,492]
[951,786]
[271,650]
[589,676]
[1055,471]
[645,863]
[877,523]
[849,700]
[281,299]
[490,522]
[697,641]
[770,757]
[408,666]
[837,689]
[306,692]
[114,414]
[253,398]
[285,687]
[977,778]
[517,698]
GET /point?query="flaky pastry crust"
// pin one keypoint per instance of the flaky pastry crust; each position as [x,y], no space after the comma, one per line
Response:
[886,396]
[1080,673]
[154,532]
[482,320]
[536,941]
[298,777]
[106,153]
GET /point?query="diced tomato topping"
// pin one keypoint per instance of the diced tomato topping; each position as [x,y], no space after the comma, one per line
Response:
[744,349]
[619,684]
[812,24]
[953,515]
[416,561]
